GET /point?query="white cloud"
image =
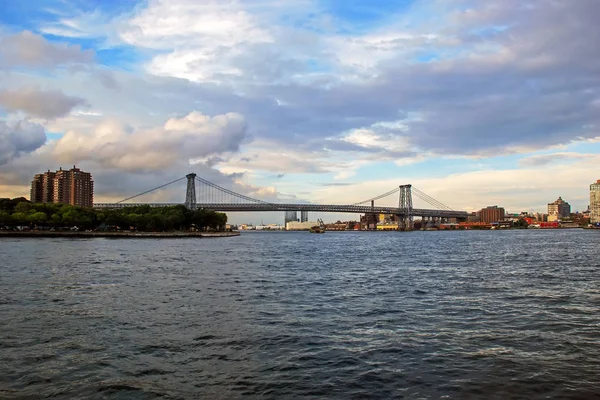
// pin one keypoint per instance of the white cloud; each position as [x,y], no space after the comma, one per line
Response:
[114,144]
[202,43]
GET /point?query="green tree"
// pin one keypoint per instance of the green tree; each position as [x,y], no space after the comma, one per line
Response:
[521,223]
[20,218]
[71,217]
[38,218]
[23,207]
[56,220]
[5,218]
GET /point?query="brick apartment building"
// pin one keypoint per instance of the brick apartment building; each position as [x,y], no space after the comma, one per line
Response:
[73,186]
[491,214]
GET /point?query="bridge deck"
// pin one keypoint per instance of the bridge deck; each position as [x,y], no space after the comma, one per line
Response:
[302,207]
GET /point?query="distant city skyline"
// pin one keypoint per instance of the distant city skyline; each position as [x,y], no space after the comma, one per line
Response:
[475,103]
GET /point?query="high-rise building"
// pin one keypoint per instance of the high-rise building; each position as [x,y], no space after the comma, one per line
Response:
[303,216]
[558,209]
[491,214]
[595,202]
[73,186]
[291,216]
[35,194]
[42,188]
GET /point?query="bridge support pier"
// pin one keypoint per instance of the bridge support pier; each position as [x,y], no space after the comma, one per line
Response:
[190,193]
[374,216]
[405,222]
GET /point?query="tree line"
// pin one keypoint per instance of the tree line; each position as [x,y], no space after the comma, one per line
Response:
[20,212]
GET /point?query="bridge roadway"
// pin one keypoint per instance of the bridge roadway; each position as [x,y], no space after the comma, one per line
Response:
[303,207]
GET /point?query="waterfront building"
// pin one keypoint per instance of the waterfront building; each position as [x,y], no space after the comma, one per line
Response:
[368,221]
[42,188]
[595,202]
[387,218]
[473,217]
[290,216]
[491,214]
[558,209]
[540,217]
[387,226]
[35,193]
[303,216]
[270,227]
[300,226]
[73,186]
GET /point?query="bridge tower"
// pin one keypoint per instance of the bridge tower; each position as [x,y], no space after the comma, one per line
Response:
[190,193]
[405,221]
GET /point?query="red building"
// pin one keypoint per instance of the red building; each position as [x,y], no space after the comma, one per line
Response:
[491,214]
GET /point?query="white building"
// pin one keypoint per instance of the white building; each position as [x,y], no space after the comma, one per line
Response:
[270,227]
[300,226]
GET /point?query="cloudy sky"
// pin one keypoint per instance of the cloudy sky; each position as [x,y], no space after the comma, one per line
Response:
[330,101]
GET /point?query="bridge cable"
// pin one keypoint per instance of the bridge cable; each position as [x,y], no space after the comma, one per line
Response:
[378,197]
[430,200]
[223,190]
[151,190]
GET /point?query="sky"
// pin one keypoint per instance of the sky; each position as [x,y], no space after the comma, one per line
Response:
[475,103]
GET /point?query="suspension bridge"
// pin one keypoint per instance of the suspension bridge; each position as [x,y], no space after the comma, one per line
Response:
[217,198]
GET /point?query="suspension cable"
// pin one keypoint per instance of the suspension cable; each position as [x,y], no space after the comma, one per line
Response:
[427,198]
[151,190]
[381,196]
[223,190]
[431,201]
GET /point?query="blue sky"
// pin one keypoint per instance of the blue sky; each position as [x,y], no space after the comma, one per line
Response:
[475,103]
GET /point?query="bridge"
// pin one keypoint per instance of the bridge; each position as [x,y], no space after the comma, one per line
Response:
[217,198]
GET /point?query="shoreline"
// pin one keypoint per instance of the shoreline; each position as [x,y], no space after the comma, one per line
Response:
[124,235]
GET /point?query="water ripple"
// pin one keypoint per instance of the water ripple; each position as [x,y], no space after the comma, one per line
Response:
[422,315]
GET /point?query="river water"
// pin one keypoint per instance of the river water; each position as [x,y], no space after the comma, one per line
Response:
[419,315]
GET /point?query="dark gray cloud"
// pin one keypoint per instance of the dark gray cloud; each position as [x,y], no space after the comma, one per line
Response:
[39,103]
[236,175]
[107,79]
[31,50]
[20,138]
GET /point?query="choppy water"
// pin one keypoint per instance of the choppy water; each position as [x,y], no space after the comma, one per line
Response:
[421,315]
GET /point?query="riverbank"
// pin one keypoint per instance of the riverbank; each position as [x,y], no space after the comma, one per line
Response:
[124,235]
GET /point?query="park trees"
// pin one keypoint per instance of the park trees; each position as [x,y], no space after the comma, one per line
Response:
[143,218]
